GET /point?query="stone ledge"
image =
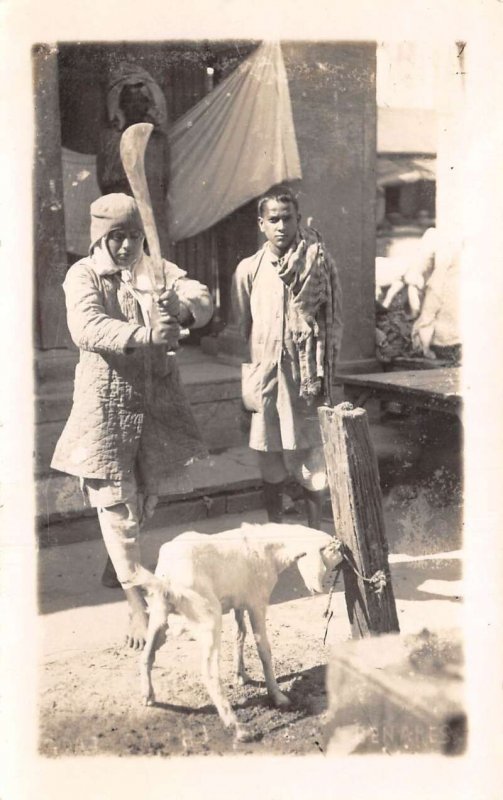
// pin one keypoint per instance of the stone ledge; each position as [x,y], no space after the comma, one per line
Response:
[219,421]
[85,526]
[59,498]
[397,694]
[53,403]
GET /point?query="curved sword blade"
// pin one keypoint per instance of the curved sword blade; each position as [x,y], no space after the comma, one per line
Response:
[133,145]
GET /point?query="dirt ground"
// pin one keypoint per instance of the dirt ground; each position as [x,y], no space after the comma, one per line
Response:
[89,690]
[90,699]
[91,703]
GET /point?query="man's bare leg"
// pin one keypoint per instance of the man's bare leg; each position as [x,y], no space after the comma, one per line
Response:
[109,577]
[136,636]
[120,527]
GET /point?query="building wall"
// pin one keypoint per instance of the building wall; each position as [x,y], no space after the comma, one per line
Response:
[332,88]
[407,130]
[49,256]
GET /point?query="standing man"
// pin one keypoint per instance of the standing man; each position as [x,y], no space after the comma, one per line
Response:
[131,432]
[287,302]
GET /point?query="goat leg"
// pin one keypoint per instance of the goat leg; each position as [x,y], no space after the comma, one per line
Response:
[241,676]
[257,619]
[210,642]
[155,637]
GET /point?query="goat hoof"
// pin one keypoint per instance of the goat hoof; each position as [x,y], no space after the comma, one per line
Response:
[150,700]
[242,679]
[280,700]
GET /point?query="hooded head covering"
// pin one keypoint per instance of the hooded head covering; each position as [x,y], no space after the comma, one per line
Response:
[112,211]
[127,74]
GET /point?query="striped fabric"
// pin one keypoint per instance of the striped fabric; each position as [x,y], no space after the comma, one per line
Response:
[314,311]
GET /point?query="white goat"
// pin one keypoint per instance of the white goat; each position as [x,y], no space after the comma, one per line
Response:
[201,576]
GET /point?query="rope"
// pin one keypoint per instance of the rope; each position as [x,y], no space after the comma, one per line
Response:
[377,581]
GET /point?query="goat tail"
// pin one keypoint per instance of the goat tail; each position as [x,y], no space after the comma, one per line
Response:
[145,579]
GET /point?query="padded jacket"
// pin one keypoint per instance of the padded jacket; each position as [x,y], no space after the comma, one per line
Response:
[123,393]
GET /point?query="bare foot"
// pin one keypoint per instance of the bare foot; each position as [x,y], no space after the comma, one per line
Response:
[137,633]
[138,619]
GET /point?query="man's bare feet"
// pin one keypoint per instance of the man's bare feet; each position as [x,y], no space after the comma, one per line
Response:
[137,633]
[138,619]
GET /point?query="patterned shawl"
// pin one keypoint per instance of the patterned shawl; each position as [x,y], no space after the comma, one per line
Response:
[314,312]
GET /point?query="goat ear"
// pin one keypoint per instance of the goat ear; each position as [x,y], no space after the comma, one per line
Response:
[332,551]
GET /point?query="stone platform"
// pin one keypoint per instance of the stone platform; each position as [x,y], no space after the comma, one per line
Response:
[397,694]
[213,389]
[214,393]
[227,482]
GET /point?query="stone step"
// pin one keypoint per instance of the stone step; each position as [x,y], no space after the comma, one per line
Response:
[55,365]
[218,419]
[195,365]
[54,396]
[227,482]
[54,401]
[222,484]
[213,389]
[46,436]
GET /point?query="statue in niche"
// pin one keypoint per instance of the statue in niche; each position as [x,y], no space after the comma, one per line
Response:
[133,96]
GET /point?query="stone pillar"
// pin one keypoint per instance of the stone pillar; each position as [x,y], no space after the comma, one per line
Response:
[333,94]
[49,231]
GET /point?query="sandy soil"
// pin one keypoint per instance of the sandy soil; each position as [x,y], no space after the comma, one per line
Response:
[90,698]
[89,690]
[91,703]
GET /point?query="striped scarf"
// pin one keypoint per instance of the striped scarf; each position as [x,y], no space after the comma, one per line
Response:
[314,312]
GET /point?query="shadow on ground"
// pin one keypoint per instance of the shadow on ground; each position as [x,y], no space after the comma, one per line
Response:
[90,727]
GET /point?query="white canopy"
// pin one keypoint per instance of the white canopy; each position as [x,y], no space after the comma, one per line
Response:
[233,145]
[229,148]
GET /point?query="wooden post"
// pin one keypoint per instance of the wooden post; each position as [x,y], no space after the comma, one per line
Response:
[357,507]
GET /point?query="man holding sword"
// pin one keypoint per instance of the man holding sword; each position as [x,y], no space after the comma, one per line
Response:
[131,433]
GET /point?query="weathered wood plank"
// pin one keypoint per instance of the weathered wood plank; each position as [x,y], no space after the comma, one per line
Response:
[357,507]
[441,382]
[436,390]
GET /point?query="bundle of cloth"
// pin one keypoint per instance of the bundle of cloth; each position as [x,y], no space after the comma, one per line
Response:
[314,311]
[419,314]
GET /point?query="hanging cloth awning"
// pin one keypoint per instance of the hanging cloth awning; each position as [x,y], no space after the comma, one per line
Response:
[233,145]
[403,169]
[229,148]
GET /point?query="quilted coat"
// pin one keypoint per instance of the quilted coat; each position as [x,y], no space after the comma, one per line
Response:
[123,393]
